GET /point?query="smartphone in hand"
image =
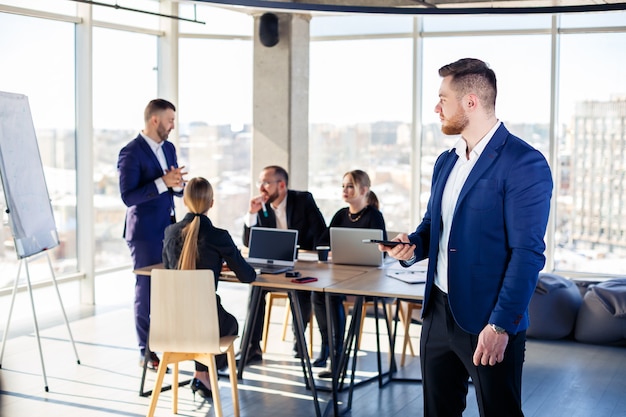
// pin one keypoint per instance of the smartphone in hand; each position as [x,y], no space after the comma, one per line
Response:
[385,242]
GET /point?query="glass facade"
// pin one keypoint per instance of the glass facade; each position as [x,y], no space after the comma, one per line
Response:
[360,118]
[124,81]
[215,122]
[42,68]
[373,88]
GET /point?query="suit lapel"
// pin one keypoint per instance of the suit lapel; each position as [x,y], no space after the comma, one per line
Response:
[170,158]
[147,150]
[437,192]
[290,208]
[487,157]
[449,162]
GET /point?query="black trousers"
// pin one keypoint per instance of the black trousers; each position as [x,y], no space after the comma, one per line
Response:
[338,316]
[446,353]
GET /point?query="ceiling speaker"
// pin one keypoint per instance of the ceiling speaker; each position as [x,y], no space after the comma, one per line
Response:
[268,29]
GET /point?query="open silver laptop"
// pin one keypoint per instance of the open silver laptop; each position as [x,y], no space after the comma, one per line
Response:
[347,247]
[272,250]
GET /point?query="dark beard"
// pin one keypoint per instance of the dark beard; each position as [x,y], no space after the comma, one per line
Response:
[272,197]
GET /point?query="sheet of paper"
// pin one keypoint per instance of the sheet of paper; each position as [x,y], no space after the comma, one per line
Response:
[415,274]
[411,277]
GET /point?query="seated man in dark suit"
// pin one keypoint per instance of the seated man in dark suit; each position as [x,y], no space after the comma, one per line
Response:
[279,207]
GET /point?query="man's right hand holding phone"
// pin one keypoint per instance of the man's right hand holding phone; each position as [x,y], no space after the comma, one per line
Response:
[402,252]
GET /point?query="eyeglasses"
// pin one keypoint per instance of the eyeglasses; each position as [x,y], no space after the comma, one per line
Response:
[266,184]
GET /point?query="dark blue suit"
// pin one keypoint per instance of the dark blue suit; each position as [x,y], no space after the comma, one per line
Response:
[495,253]
[147,216]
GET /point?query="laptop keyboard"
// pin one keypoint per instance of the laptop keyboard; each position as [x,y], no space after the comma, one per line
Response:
[271,269]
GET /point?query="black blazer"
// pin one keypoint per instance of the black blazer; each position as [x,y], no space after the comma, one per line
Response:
[214,246]
[303,215]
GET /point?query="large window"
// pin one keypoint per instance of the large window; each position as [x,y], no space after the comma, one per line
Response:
[215,115]
[42,68]
[366,90]
[591,199]
[360,118]
[124,80]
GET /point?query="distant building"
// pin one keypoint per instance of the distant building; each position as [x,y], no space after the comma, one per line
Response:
[598,180]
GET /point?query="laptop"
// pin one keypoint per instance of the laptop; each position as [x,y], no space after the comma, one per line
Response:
[273,251]
[347,247]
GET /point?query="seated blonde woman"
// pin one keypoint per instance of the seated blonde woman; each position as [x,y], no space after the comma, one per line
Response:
[194,243]
[362,212]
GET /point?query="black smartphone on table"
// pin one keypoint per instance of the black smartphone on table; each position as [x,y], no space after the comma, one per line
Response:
[304,280]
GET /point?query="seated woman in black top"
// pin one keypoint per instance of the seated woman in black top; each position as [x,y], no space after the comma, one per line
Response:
[362,212]
[194,243]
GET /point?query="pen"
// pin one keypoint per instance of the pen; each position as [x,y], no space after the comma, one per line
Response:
[264,209]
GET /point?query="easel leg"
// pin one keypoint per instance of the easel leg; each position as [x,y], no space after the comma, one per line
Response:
[32,304]
[24,262]
[6,328]
[67,324]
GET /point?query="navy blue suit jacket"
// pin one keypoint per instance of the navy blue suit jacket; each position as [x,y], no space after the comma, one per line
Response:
[149,212]
[496,245]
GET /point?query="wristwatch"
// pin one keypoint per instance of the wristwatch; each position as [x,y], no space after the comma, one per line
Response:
[497,329]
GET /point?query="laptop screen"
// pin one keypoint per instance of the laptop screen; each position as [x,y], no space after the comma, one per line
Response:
[347,247]
[272,246]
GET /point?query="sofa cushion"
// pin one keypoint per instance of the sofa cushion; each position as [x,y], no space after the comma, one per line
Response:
[553,307]
[602,315]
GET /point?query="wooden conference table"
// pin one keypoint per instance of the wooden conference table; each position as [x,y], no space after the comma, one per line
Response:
[359,281]
[332,279]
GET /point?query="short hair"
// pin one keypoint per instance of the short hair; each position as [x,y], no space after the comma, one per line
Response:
[157,106]
[279,172]
[470,75]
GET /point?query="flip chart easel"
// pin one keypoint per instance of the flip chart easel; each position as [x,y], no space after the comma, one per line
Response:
[27,200]
[24,262]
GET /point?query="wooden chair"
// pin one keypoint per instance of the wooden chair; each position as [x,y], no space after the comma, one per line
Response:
[405,317]
[348,304]
[271,297]
[184,326]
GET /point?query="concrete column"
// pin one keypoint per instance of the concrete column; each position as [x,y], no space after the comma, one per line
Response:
[281,100]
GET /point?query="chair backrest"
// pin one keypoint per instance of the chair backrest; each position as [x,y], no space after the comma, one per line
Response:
[183,316]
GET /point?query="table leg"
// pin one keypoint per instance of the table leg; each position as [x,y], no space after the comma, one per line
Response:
[251,319]
[391,337]
[301,342]
[339,365]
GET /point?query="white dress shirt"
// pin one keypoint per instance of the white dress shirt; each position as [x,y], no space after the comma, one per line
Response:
[281,214]
[157,148]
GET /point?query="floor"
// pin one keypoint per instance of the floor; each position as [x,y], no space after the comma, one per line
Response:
[561,378]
